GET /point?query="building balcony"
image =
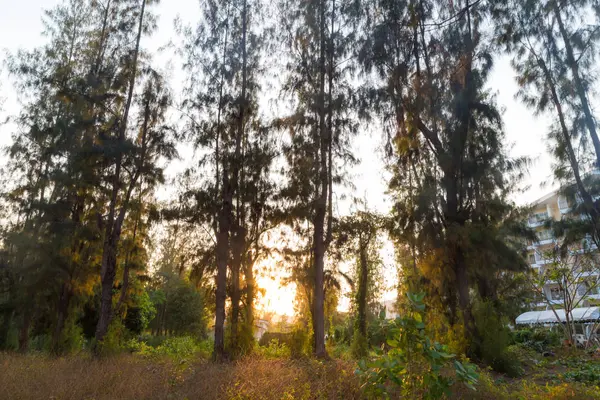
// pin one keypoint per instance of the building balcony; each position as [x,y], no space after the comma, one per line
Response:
[543,242]
[534,222]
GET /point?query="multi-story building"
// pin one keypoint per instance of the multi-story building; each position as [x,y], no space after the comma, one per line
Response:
[554,206]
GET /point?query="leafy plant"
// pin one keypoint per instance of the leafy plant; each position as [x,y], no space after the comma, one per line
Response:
[414,364]
[273,350]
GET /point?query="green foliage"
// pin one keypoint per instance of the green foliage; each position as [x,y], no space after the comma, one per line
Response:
[378,331]
[178,348]
[360,345]
[279,337]
[274,349]
[538,339]
[115,340]
[492,340]
[341,351]
[139,316]
[71,339]
[588,373]
[299,343]
[414,365]
[245,341]
[180,308]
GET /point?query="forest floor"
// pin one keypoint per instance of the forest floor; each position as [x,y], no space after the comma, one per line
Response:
[136,377]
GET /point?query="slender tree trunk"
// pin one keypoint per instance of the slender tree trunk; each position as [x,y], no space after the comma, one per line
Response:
[113,228]
[236,262]
[61,317]
[362,291]
[320,207]
[581,92]
[250,292]
[454,248]
[222,259]
[4,327]
[24,330]
[223,223]
[238,229]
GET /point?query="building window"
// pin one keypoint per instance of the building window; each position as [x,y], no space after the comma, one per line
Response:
[555,294]
[531,258]
[538,217]
[546,234]
[562,202]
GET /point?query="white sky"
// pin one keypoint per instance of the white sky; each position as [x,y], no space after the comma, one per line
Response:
[20,27]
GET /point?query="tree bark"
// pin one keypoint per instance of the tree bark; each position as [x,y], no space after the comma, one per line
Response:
[320,206]
[222,250]
[61,317]
[24,331]
[113,228]
[362,291]
[238,239]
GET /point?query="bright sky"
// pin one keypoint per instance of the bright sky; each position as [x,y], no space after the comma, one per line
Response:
[20,27]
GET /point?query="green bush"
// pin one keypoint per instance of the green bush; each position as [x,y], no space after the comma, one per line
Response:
[588,373]
[40,343]
[178,348]
[299,343]
[341,351]
[538,339]
[413,366]
[274,349]
[139,316]
[72,339]
[360,346]
[115,340]
[492,340]
[279,337]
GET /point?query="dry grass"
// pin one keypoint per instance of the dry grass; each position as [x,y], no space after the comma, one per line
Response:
[134,377]
[130,377]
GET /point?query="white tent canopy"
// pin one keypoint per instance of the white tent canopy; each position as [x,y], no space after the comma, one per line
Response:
[584,314]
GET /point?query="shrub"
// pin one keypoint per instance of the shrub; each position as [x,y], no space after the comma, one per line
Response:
[492,340]
[538,339]
[414,363]
[341,351]
[360,346]
[72,339]
[299,343]
[274,350]
[138,317]
[586,373]
[178,348]
[279,337]
[115,339]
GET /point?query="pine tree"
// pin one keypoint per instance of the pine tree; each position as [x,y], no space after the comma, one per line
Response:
[430,63]
[542,38]
[224,69]
[319,36]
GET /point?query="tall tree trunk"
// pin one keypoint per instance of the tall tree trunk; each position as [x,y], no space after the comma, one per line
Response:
[361,298]
[581,92]
[24,330]
[4,328]
[238,240]
[236,263]
[113,228]
[61,317]
[454,249]
[320,206]
[222,251]
[250,292]
[223,223]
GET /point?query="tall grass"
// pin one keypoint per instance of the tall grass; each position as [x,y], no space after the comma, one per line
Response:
[135,377]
